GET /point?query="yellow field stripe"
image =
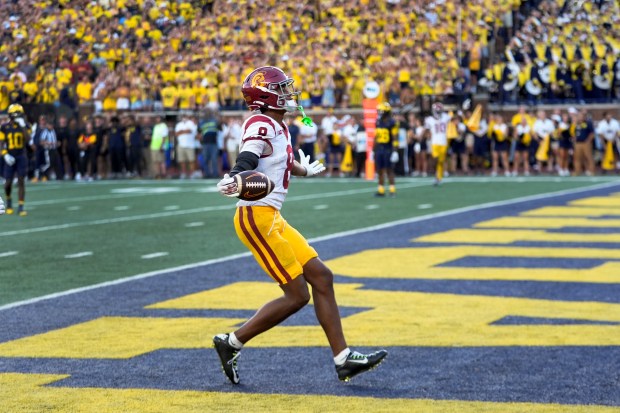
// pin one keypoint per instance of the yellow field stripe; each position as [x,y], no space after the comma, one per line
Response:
[598,201]
[500,236]
[547,222]
[29,393]
[573,211]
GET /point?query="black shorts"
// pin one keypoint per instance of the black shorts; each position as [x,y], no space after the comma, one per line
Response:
[521,147]
[458,146]
[336,149]
[481,146]
[20,167]
[503,146]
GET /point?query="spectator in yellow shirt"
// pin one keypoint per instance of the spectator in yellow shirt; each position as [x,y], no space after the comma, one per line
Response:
[84,90]
[169,97]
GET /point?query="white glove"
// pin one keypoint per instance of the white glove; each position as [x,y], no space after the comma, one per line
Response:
[9,159]
[228,187]
[21,122]
[313,168]
[394,157]
[1,206]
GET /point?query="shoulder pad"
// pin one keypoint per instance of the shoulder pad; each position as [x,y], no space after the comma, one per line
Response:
[259,126]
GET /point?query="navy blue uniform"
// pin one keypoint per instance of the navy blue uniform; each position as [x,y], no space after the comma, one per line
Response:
[386,141]
[13,140]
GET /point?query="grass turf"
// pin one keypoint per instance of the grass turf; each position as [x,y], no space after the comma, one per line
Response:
[114,224]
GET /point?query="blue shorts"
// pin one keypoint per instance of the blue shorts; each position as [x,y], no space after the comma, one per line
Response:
[382,157]
[20,167]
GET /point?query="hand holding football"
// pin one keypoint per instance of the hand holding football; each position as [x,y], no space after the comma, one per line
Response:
[253,185]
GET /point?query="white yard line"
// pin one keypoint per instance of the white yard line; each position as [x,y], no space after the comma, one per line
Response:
[79,254]
[183,212]
[8,254]
[313,240]
[154,255]
[194,224]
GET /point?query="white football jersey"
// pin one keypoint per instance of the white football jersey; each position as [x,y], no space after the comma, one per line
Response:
[438,128]
[271,142]
[543,127]
[608,130]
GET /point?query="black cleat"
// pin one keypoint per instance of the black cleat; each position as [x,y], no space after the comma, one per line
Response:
[379,194]
[357,363]
[228,356]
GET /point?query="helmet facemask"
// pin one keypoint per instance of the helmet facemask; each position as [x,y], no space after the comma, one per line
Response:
[287,95]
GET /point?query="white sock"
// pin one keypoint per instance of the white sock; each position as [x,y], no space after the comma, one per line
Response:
[342,357]
[233,341]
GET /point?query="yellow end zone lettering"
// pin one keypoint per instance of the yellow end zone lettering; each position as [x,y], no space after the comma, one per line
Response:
[599,201]
[503,236]
[422,319]
[573,211]
[548,222]
[422,262]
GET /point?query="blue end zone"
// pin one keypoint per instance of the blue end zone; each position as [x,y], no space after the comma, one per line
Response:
[524,262]
[566,375]
[570,375]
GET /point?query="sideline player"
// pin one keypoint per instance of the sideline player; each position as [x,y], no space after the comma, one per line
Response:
[14,136]
[437,125]
[279,249]
[386,147]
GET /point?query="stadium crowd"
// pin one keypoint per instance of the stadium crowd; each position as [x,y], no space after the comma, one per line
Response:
[178,55]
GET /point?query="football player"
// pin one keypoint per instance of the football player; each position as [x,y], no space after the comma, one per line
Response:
[386,147]
[14,136]
[437,125]
[280,250]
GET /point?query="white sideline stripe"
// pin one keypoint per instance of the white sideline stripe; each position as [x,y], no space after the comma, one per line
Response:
[74,208]
[121,208]
[154,255]
[79,254]
[8,254]
[425,206]
[372,206]
[322,206]
[171,208]
[312,240]
[183,212]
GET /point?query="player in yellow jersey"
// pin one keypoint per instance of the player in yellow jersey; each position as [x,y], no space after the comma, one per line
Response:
[14,138]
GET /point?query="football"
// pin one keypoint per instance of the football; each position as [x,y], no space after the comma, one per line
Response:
[253,185]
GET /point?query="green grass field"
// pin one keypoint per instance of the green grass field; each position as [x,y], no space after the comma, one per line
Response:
[79,234]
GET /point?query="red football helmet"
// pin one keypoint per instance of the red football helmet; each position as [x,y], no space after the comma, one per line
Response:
[269,87]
